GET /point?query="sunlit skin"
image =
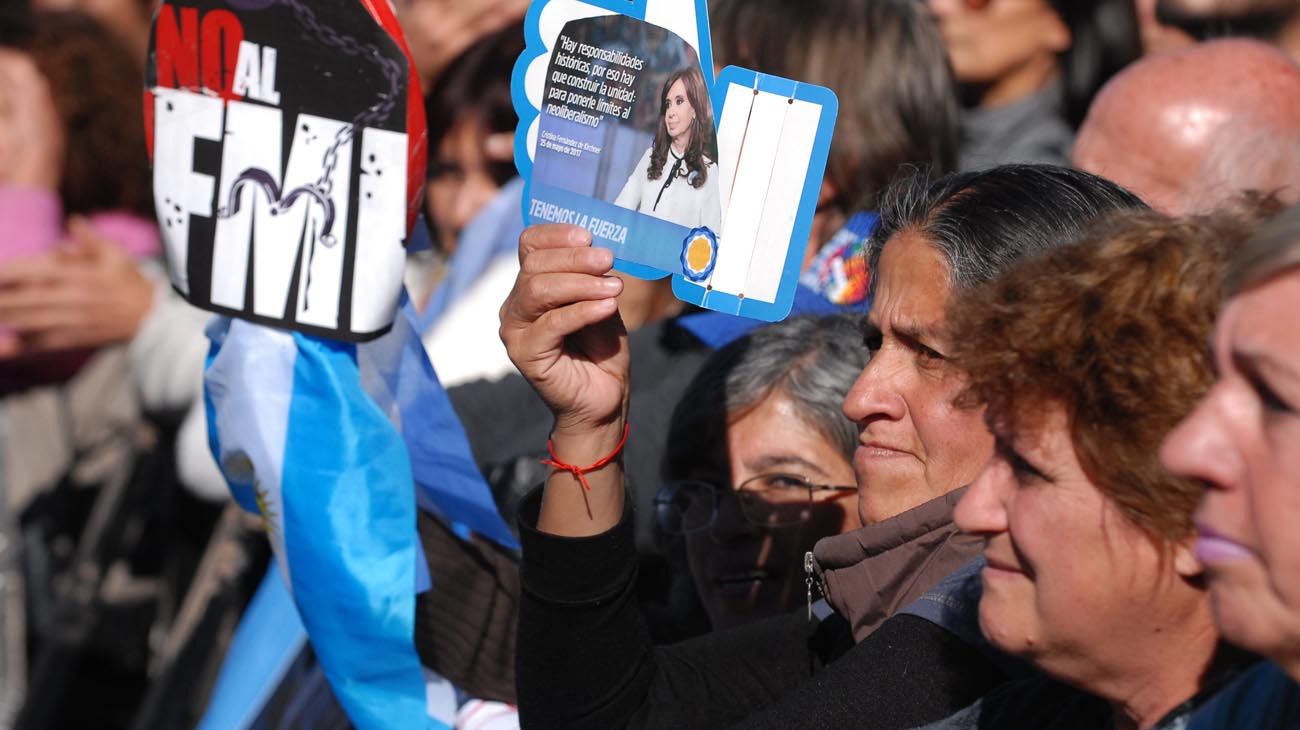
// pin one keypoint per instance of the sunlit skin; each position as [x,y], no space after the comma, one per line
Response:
[460,183]
[743,572]
[1243,441]
[679,116]
[1006,48]
[1154,156]
[914,443]
[1157,128]
[1075,587]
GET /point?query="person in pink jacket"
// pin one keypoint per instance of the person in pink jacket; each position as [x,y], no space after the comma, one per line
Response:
[75,201]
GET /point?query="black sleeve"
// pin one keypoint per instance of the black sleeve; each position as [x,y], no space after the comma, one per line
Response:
[908,672]
[585,659]
[465,626]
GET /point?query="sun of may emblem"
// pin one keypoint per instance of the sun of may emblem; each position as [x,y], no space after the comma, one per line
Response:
[699,254]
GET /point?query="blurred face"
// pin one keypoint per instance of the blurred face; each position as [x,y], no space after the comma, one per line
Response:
[1069,579]
[914,444]
[129,20]
[437,31]
[991,40]
[460,182]
[745,572]
[1243,441]
[678,114]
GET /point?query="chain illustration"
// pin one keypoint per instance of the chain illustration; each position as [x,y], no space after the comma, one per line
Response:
[322,189]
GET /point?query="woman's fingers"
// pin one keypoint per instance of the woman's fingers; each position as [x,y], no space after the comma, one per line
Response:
[550,236]
[561,322]
[578,260]
[545,292]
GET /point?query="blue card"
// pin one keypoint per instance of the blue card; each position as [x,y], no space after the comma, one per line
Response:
[624,131]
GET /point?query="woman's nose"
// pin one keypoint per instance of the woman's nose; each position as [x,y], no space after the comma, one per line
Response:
[981,510]
[730,524]
[875,395]
[1201,448]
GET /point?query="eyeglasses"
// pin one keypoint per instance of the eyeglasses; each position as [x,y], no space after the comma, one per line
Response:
[766,500]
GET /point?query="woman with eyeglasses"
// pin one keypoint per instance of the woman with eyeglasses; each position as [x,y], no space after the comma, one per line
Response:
[1028,69]
[759,464]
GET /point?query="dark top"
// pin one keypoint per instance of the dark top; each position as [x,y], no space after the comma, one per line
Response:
[585,659]
[1264,698]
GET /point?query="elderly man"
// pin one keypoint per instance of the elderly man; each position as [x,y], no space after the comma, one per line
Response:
[1188,129]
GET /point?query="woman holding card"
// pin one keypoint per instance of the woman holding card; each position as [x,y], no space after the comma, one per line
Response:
[675,180]
[585,659]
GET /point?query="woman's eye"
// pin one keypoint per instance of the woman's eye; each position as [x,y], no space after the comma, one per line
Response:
[1024,472]
[1272,402]
[873,340]
[1268,398]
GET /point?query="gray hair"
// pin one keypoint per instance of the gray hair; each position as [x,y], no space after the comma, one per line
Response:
[813,361]
[1273,250]
[983,222]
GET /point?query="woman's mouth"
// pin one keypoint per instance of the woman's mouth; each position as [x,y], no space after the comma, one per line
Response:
[1214,548]
[741,584]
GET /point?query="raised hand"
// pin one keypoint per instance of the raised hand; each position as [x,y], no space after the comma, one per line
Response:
[561,328]
[87,293]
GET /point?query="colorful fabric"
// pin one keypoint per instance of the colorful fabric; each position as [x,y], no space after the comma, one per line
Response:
[330,443]
[839,271]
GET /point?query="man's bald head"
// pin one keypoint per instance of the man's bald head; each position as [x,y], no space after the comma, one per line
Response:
[1189,129]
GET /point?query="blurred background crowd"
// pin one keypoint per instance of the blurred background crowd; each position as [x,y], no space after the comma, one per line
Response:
[124,566]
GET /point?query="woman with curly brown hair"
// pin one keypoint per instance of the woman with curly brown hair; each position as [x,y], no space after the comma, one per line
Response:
[71,146]
[675,180]
[72,135]
[1084,359]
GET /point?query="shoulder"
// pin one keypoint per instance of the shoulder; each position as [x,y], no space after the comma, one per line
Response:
[1262,697]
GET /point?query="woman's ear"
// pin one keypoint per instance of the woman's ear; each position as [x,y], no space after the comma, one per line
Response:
[1185,562]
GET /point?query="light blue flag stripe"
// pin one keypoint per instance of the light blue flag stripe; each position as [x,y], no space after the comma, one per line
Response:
[350,538]
[296,430]
[268,639]
[396,372]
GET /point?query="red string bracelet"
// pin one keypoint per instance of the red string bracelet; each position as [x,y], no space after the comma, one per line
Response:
[579,471]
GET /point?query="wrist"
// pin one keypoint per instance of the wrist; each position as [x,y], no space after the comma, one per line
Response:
[587,443]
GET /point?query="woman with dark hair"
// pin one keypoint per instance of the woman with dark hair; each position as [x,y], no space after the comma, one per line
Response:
[468,108]
[1082,359]
[585,659]
[675,180]
[1028,70]
[472,199]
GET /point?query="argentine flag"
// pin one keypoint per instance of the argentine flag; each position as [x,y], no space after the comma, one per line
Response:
[333,444]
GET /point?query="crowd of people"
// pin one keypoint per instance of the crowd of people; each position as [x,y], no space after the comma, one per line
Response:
[1024,456]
